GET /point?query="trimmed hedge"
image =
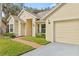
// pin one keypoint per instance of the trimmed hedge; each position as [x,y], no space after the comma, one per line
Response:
[10,35]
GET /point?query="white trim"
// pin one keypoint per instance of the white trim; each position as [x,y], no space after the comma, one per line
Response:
[40,27]
[9,28]
[11,23]
[20,12]
[9,17]
[30,14]
[65,19]
[27,12]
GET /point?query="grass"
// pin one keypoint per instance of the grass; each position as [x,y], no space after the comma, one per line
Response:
[41,41]
[12,48]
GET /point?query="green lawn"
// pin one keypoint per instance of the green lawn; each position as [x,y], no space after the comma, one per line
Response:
[12,48]
[41,41]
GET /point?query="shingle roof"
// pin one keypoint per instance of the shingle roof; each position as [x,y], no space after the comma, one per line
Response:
[41,14]
[38,15]
[17,18]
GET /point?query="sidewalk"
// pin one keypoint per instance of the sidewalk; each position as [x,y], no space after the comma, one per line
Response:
[33,44]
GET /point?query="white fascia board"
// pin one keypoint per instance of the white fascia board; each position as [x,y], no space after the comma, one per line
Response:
[20,12]
[30,14]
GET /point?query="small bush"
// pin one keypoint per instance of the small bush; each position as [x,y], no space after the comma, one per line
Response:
[41,35]
[10,35]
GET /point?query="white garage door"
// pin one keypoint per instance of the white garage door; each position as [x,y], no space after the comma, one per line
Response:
[67,31]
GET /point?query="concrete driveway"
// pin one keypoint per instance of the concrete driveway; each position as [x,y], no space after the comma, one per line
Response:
[55,49]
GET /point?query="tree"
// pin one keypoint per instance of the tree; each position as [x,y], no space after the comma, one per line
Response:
[11,9]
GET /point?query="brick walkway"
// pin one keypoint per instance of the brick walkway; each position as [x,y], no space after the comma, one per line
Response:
[33,44]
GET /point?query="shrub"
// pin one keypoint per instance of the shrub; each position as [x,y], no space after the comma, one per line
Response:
[10,35]
[41,35]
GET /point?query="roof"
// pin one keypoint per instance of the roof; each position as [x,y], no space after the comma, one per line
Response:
[41,14]
[38,15]
[35,15]
[53,10]
[27,12]
[16,18]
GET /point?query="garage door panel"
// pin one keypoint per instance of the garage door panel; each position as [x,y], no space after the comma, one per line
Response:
[67,31]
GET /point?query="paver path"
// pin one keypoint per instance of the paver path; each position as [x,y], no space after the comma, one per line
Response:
[33,44]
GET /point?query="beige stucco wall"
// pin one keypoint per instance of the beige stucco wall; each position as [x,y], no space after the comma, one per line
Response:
[49,30]
[29,27]
[66,12]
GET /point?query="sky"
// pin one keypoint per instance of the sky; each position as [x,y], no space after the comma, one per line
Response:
[37,5]
[40,5]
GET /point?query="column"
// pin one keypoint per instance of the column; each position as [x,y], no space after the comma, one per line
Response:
[25,29]
[19,28]
[33,27]
[39,28]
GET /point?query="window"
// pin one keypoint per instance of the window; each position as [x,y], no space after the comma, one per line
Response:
[43,28]
[11,27]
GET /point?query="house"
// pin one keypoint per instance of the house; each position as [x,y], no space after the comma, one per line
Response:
[26,24]
[62,23]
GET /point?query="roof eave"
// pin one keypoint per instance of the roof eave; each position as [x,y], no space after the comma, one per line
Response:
[27,12]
